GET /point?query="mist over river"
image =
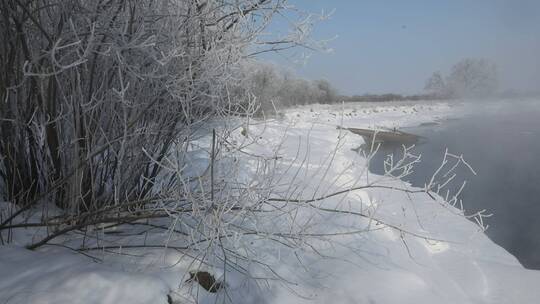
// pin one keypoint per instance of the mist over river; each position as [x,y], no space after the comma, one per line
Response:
[501,141]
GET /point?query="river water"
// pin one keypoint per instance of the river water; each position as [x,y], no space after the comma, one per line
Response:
[501,141]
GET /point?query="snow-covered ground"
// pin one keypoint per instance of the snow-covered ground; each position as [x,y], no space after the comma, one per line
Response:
[438,257]
[376,114]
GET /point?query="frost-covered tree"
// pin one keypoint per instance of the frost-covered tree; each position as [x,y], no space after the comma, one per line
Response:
[329,94]
[274,86]
[95,93]
[264,82]
[472,77]
[435,85]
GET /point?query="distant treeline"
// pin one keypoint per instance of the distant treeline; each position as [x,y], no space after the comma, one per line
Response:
[390,97]
[275,87]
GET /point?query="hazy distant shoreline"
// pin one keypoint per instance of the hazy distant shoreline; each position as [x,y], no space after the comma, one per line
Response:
[431,97]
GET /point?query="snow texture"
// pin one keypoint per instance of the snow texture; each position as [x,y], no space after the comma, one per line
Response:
[380,266]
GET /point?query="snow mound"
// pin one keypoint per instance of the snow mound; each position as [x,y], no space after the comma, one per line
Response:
[39,277]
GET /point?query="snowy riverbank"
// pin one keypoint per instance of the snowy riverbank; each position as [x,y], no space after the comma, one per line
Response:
[376,114]
[410,248]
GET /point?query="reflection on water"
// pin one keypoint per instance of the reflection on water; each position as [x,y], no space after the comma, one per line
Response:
[503,146]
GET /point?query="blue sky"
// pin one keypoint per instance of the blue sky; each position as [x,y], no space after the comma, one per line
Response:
[394,46]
